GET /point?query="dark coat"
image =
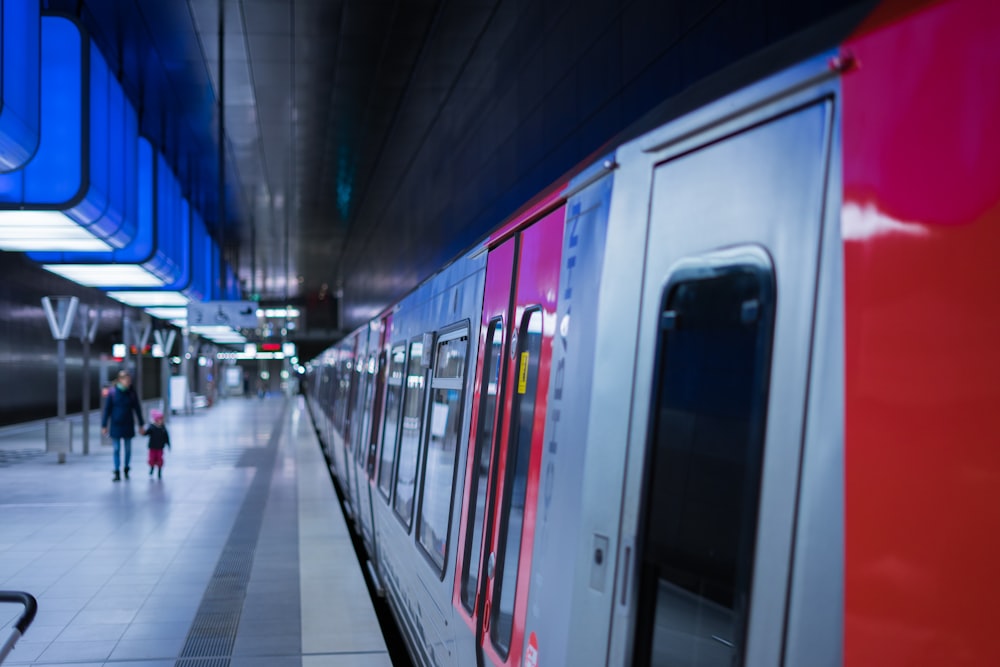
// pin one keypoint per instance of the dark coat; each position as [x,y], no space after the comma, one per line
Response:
[158,436]
[118,409]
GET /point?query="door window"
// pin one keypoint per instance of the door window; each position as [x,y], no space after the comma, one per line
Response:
[393,397]
[442,447]
[703,472]
[490,397]
[409,438]
[522,420]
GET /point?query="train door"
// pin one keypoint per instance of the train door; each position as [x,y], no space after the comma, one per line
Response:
[352,430]
[522,279]
[350,380]
[379,365]
[368,372]
[327,396]
[381,374]
[729,303]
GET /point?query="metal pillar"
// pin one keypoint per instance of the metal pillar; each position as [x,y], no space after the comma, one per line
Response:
[140,335]
[165,339]
[186,367]
[88,332]
[60,311]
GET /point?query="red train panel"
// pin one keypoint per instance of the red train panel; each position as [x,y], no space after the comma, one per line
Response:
[921,225]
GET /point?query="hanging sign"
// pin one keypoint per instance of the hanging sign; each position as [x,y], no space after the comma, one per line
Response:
[236,314]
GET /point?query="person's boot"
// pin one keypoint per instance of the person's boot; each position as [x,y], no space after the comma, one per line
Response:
[126,472]
[117,477]
[150,471]
[159,472]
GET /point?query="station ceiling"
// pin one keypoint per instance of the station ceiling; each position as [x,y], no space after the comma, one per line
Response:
[367,142]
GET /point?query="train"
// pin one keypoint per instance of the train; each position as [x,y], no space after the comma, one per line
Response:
[725,395]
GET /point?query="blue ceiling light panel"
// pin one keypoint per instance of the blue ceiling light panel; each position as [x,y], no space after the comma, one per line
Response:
[172,206]
[204,248]
[77,191]
[160,249]
[195,285]
[19,81]
[173,232]
[233,292]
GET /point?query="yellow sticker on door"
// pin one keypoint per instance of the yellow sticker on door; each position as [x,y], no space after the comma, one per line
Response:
[522,374]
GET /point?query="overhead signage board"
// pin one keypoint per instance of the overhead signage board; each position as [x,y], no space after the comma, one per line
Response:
[236,314]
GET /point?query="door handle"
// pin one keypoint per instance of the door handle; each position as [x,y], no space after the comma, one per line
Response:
[491,565]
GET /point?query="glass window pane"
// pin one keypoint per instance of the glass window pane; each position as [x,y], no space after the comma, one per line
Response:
[432,530]
[451,358]
[381,372]
[393,394]
[352,380]
[516,484]
[367,396]
[705,467]
[490,396]
[442,447]
[409,439]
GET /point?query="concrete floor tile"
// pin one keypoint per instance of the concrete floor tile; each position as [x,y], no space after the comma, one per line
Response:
[121,570]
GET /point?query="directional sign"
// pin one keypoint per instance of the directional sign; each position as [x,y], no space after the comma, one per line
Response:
[236,314]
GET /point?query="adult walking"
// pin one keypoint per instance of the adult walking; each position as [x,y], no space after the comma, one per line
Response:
[120,405]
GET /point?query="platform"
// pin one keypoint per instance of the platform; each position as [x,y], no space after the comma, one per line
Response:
[238,557]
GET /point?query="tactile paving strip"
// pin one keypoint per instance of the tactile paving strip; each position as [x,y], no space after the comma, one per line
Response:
[213,632]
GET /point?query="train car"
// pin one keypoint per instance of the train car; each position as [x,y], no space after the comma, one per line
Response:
[723,397]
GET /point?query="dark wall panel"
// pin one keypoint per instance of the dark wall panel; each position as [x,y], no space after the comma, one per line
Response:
[28,358]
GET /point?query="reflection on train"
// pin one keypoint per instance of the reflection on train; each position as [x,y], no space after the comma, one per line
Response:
[722,397]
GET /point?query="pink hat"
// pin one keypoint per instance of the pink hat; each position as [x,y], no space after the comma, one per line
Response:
[155,414]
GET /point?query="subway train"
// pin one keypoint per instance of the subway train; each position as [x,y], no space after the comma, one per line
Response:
[725,395]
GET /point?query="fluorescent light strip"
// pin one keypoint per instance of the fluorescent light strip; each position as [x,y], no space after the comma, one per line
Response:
[45,231]
[168,312]
[249,355]
[211,329]
[141,299]
[278,312]
[46,245]
[105,275]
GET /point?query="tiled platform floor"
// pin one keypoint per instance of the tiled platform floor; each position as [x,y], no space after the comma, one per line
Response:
[238,557]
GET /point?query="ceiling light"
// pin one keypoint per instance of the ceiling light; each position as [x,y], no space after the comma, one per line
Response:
[278,312]
[144,299]
[159,253]
[167,312]
[72,194]
[45,230]
[19,104]
[106,275]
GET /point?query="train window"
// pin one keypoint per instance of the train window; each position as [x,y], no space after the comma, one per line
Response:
[367,396]
[352,380]
[409,437]
[704,467]
[379,380]
[393,397]
[516,483]
[489,394]
[358,420]
[442,446]
[341,401]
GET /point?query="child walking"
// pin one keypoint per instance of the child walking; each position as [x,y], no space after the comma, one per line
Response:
[158,439]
